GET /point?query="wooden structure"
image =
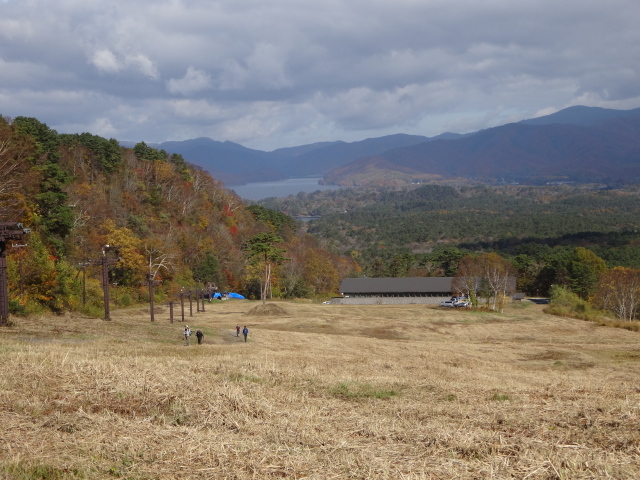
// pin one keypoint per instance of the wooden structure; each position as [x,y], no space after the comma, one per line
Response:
[397,287]
[9,231]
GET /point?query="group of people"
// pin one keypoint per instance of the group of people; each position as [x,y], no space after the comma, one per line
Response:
[200,335]
[187,334]
[245,332]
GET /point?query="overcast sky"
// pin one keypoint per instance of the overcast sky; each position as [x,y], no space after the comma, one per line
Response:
[275,73]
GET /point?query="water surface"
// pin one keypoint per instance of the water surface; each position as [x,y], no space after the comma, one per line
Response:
[280,188]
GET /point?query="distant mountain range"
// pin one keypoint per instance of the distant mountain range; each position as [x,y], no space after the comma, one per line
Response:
[581,144]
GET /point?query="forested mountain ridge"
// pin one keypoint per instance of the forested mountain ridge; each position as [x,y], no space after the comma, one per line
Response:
[169,219]
[608,151]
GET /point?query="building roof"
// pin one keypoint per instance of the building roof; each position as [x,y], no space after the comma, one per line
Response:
[396,285]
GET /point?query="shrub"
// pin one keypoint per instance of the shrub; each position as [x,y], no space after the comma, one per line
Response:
[566,303]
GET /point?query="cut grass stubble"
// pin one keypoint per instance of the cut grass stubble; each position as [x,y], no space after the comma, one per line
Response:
[427,396]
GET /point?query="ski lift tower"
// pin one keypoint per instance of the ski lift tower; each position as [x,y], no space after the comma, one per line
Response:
[9,231]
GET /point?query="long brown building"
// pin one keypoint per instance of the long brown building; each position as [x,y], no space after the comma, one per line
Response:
[397,287]
[426,290]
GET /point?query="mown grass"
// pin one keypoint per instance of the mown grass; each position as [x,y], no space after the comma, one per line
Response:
[355,390]
[388,392]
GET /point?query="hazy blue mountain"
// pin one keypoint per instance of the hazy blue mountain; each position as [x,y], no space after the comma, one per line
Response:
[236,165]
[321,160]
[580,115]
[302,149]
[605,151]
[515,150]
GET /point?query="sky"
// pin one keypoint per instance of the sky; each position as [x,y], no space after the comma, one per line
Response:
[280,73]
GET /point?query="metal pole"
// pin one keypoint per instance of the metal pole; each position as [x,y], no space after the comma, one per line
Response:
[105,285]
[84,285]
[151,302]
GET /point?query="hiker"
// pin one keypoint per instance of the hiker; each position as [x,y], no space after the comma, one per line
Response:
[187,334]
[237,330]
[200,336]
[245,332]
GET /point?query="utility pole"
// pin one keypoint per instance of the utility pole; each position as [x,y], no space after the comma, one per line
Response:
[8,231]
[152,283]
[105,261]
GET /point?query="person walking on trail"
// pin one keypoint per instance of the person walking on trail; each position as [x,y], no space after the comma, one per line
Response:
[200,336]
[245,332]
[187,334]
[237,330]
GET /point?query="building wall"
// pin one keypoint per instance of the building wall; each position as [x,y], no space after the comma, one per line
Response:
[388,300]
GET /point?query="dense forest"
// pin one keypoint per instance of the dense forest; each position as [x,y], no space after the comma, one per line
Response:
[553,235]
[166,220]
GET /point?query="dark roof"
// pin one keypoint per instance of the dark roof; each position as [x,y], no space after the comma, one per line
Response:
[396,285]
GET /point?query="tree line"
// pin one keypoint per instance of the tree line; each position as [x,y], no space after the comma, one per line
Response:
[548,237]
[170,221]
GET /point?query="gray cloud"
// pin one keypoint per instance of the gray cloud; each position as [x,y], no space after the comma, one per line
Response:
[287,72]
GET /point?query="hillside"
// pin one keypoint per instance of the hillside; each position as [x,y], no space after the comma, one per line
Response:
[167,218]
[603,149]
[339,392]
[607,151]
[236,165]
[581,115]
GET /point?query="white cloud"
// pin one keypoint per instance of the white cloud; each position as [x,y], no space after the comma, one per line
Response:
[105,61]
[108,62]
[274,72]
[263,68]
[194,80]
[143,65]
[102,126]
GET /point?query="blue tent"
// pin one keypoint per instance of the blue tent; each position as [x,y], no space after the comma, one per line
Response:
[234,295]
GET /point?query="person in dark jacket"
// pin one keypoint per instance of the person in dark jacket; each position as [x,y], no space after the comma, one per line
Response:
[200,336]
[245,332]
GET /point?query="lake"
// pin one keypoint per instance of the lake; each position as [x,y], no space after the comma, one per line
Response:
[281,188]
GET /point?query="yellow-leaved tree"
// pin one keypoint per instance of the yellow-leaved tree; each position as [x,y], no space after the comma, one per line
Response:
[132,267]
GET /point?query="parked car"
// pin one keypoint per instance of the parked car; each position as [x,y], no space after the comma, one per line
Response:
[462,303]
[447,303]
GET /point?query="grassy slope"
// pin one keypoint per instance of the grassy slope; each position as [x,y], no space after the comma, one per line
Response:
[325,392]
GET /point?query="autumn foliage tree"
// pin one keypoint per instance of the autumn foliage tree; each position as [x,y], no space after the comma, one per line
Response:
[262,251]
[487,275]
[619,292]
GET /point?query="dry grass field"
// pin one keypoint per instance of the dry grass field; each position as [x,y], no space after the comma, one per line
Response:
[323,392]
